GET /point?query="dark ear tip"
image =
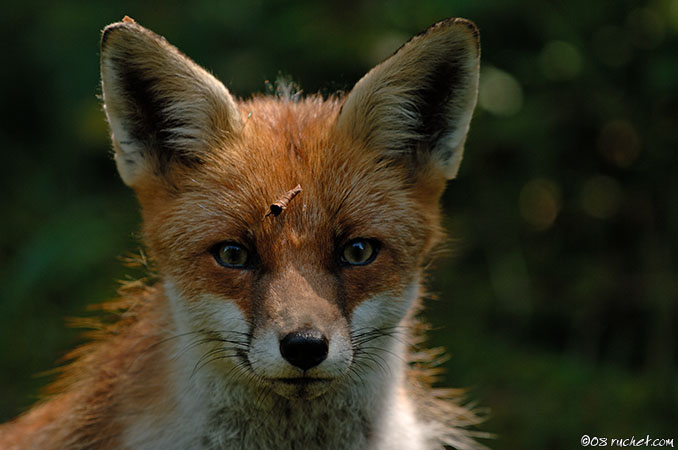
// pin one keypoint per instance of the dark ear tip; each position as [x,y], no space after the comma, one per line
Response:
[467,23]
[127,23]
[458,23]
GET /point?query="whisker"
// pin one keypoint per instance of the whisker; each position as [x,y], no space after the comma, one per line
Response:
[211,360]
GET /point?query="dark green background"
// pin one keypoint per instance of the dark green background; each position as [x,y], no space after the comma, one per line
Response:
[558,299]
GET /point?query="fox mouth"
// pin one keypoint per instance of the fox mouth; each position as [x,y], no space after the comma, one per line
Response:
[302,381]
[301,387]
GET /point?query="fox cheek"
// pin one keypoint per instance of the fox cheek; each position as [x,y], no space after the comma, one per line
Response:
[383,311]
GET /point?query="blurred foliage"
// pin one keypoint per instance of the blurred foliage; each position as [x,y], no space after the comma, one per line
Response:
[558,301]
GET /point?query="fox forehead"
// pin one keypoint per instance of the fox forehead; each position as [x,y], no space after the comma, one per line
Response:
[283,145]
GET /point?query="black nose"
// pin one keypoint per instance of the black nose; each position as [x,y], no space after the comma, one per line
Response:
[304,349]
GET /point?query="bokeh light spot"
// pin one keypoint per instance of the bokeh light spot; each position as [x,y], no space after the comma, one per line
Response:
[601,197]
[500,93]
[647,28]
[382,47]
[619,143]
[540,203]
[560,61]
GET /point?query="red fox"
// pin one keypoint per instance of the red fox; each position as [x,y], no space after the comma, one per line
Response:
[289,236]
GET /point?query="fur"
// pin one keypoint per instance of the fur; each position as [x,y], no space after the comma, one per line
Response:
[194,360]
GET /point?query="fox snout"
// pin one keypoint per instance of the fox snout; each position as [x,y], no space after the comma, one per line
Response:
[300,340]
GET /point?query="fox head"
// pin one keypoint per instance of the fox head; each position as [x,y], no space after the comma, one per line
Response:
[296,300]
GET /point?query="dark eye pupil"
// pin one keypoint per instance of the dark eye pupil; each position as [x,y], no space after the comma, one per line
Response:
[232,254]
[358,252]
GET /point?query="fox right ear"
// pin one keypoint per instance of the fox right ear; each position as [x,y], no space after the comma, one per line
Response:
[163,108]
[418,103]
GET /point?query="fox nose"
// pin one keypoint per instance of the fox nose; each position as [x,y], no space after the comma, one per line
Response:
[304,349]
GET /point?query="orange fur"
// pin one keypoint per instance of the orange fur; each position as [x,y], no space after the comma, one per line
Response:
[81,408]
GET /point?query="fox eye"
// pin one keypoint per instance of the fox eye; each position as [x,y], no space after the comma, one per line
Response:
[359,252]
[230,254]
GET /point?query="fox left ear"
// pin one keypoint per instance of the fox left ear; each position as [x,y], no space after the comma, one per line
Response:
[164,110]
[419,102]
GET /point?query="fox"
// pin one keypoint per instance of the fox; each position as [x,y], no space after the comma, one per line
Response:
[289,236]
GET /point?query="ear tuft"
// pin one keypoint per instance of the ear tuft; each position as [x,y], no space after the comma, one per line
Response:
[162,107]
[419,102]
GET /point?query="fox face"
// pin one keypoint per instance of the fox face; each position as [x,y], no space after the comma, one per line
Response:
[312,293]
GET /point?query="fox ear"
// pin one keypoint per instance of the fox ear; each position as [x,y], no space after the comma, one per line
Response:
[162,108]
[419,102]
